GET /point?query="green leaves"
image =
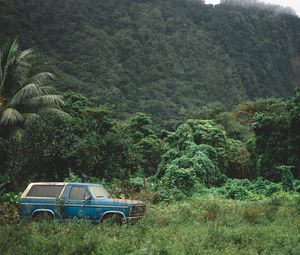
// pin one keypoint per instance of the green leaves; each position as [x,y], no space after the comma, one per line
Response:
[164,58]
[277,138]
[23,96]
[42,78]
[287,177]
[10,116]
[46,101]
[7,63]
[195,158]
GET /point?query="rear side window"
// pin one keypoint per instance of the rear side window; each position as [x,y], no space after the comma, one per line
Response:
[79,193]
[45,191]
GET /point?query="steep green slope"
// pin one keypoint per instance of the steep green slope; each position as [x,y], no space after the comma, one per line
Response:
[165,58]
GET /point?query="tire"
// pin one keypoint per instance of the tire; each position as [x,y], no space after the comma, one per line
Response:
[42,216]
[113,219]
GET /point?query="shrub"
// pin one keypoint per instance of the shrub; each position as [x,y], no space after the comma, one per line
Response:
[286,176]
[8,202]
[235,189]
[212,210]
[244,189]
[177,183]
[297,185]
[254,213]
[186,173]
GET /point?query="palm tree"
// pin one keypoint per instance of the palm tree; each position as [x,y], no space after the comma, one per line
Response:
[22,96]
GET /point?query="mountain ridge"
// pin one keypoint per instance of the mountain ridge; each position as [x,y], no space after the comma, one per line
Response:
[165,58]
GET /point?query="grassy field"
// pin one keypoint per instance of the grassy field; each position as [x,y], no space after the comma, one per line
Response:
[198,226]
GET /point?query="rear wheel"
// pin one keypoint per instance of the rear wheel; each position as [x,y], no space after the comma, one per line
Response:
[39,216]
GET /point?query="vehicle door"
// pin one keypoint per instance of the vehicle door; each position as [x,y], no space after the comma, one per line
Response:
[79,203]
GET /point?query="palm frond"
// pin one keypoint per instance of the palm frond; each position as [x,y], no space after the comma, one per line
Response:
[25,53]
[47,90]
[22,70]
[55,111]
[25,100]
[11,116]
[9,53]
[8,58]
[29,91]
[14,67]
[41,78]
[13,49]
[46,101]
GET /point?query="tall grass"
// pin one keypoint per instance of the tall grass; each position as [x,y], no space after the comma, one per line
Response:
[197,226]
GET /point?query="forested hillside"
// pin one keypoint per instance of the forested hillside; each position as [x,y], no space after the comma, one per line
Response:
[164,58]
[192,108]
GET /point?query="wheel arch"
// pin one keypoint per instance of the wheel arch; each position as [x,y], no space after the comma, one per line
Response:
[113,212]
[42,210]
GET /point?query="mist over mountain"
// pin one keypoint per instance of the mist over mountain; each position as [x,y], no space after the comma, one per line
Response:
[261,4]
[163,57]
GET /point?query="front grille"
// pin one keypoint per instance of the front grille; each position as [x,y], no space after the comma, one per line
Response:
[137,210]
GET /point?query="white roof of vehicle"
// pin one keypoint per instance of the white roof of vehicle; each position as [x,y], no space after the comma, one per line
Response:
[48,183]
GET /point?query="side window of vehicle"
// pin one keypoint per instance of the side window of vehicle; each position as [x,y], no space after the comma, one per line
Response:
[79,193]
[45,191]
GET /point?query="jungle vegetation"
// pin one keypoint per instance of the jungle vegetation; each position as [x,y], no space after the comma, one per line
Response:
[44,138]
[177,95]
[193,108]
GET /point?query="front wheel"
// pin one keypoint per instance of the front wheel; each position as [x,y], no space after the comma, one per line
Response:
[113,219]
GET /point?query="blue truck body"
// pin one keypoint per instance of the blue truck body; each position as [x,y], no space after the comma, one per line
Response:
[76,200]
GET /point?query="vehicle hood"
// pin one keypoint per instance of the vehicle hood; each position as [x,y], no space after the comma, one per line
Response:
[127,201]
[117,201]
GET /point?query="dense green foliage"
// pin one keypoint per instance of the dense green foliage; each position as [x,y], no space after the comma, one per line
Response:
[207,152]
[198,156]
[259,138]
[198,226]
[277,139]
[23,95]
[164,58]
[182,64]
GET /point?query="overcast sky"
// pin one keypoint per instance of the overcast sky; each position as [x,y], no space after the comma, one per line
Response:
[294,4]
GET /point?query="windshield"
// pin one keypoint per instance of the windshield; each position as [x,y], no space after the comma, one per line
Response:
[99,191]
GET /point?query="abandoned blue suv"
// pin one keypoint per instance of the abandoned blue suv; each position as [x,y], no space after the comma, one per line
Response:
[77,200]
